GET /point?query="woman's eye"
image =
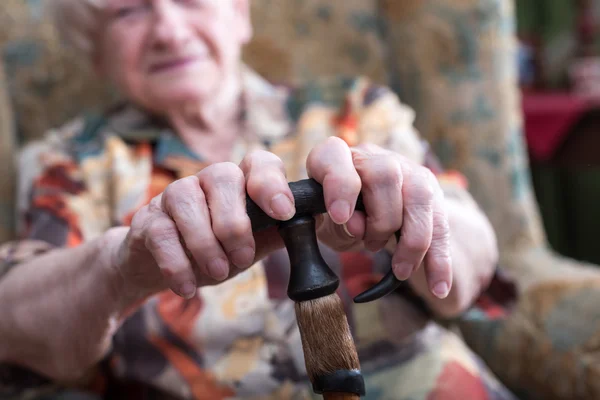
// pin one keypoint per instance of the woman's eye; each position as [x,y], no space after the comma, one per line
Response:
[126,11]
[195,3]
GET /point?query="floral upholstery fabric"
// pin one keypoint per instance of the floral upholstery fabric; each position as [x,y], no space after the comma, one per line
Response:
[318,38]
[545,345]
[48,83]
[455,63]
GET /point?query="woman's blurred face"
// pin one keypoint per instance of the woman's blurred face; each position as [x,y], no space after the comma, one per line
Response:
[165,52]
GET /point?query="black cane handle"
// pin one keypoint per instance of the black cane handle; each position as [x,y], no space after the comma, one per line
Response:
[309,201]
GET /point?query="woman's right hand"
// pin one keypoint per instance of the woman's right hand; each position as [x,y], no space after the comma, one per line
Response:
[197,232]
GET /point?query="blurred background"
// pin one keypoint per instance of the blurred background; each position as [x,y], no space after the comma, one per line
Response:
[560,80]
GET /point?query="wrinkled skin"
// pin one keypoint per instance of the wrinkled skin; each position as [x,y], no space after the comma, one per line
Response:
[197,231]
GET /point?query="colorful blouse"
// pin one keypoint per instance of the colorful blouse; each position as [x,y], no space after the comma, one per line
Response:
[238,339]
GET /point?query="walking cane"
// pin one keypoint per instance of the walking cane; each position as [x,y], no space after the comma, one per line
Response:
[330,354]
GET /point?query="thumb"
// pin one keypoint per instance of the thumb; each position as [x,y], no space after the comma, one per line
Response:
[344,237]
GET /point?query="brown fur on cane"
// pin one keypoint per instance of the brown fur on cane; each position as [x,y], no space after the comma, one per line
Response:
[326,339]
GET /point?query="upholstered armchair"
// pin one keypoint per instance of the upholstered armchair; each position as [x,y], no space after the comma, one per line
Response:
[454,62]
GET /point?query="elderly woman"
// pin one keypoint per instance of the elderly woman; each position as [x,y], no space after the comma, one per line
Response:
[137,260]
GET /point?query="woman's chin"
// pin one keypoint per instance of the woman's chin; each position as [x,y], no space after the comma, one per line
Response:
[171,97]
[181,90]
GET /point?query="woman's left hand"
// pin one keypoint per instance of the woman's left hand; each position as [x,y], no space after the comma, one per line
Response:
[397,194]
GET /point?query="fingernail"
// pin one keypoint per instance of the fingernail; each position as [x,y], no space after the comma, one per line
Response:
[441,289]
[345,226]
[282,207]
[403,270]
[242,258]
[340,211]
[187,290]
[218,268]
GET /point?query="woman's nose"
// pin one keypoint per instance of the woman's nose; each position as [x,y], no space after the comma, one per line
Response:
[170,27]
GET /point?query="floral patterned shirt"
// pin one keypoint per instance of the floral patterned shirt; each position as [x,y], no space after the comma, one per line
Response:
[238,339]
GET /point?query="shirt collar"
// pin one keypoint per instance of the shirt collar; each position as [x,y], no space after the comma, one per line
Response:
[264,111]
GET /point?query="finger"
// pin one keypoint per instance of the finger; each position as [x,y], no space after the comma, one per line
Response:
[162,240]
[417,224]
[344,237]
[267,185]
[382,179]
[356,226]
[438,261]
[185,203]
[224,186]
[331,165]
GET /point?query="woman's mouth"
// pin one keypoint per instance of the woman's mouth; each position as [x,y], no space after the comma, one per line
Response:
[173,64]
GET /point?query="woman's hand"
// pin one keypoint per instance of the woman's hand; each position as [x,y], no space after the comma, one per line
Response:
[397,194]
[197,232]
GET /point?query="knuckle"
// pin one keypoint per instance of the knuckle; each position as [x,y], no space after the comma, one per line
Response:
[430,178]
[260,157]
[352,182]
[421,188]
[182,206]
[416,243]
[136,237]
[222,172]
[232,229]
[383,171]
[185,185]
[334,141]
[182,190]
[360,157]
[441,231]
[443,261]
[272,179]
[250,161]
[227,170]
[183,211]
[318,156]
[161,234]
[155,204]
[137,231]
[139,218]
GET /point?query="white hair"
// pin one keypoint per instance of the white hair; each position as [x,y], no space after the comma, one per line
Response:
[77,22]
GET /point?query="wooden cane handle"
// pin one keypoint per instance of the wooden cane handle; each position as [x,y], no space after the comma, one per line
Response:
[340,396]
[310,201]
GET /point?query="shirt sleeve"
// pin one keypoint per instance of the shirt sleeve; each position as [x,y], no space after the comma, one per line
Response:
[50,186]
[52,204]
